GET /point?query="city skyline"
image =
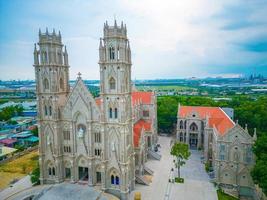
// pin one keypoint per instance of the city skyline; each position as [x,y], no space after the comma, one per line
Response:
[168,40]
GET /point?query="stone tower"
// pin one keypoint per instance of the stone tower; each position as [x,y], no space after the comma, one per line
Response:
[115,91]
[52,88]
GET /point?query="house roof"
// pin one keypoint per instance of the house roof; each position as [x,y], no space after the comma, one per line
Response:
[216,116]
[137,130]
[6,150]
[8,141]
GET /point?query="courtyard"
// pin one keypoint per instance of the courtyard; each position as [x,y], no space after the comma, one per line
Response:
[196,179]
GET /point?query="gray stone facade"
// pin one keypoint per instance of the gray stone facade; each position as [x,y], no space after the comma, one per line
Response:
[227,147]
[83,139]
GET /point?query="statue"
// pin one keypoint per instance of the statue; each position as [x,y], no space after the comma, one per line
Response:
[80,133]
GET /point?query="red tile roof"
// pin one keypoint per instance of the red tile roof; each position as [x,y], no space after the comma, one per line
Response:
[217,117]
[137,128]
[144,97]
[98,101]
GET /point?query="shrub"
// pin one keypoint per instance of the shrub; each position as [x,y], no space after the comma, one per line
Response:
[179,180]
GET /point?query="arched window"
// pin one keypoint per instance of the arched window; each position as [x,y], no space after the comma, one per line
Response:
[45,58]
[181,124]
[112,83]
[54,171]
[116,113]
[117,180]
[45,108]
[184,124]
[50,110]
[111,53]
[181,137]
[193,127]
[112,179]
[59,57]
[61,84]
[118,53]
[46,84]
[49,171]
[110,112]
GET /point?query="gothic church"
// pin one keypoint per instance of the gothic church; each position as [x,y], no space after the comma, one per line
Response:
[103,141]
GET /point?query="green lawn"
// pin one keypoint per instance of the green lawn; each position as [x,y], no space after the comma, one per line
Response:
[223,196]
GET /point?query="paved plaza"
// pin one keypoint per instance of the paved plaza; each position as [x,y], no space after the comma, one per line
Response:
[196,186]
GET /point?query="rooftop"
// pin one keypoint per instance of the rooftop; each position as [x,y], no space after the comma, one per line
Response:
[215,115]
[137,129]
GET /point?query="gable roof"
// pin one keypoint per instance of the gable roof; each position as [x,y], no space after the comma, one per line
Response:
[216,117]
[137,130]
[144,97]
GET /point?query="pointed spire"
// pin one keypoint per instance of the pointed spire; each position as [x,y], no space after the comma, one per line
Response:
[255,135]
[246,127]
[121,24]
[100,43]
[59,34]
[65,50]
[35,49]
[40,32]
[54,32]
[46,32]
[115,23]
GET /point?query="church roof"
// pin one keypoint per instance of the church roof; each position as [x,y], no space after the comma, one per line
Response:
[137,130]
[143,97]
[216,117]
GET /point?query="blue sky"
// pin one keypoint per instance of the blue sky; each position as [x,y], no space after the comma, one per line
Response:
[169,39]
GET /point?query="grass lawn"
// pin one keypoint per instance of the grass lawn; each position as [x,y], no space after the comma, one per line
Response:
[18,168]
[223,196]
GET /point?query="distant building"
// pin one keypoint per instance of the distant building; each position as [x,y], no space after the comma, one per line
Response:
[227,146]
[6,152]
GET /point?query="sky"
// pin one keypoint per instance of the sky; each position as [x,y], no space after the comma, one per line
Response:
[169,38]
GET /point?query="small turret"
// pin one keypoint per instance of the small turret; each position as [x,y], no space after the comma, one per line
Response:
[40,32]
[36,59]
[246,127]
[66,62]
[115,23]
[54,32]
[46,32]
[255,135]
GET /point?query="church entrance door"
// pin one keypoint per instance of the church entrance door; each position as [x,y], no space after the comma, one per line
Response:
[193,140]
[83,173]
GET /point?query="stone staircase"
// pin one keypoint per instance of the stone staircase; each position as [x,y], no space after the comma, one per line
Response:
[141,180]
[154,155]
[148,170]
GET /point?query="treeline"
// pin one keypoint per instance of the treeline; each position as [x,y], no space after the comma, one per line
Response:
[8,112]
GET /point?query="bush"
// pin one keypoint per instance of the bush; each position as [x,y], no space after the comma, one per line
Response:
[35,176]
[179,180]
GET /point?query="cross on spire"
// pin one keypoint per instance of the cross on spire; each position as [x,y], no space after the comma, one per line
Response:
[79,75]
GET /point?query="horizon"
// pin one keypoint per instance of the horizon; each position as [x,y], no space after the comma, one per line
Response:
[168,40]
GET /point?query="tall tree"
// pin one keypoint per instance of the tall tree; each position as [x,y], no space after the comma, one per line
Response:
[259,172]
[182,153]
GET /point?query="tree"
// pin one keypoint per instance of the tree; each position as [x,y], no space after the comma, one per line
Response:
[259,172]
[182,153]
[35,176]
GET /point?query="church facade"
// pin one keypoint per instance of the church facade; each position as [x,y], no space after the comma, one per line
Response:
[100,141]
[227,147]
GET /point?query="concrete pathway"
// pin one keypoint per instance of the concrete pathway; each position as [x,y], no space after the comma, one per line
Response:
[196,186]
[21,185]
